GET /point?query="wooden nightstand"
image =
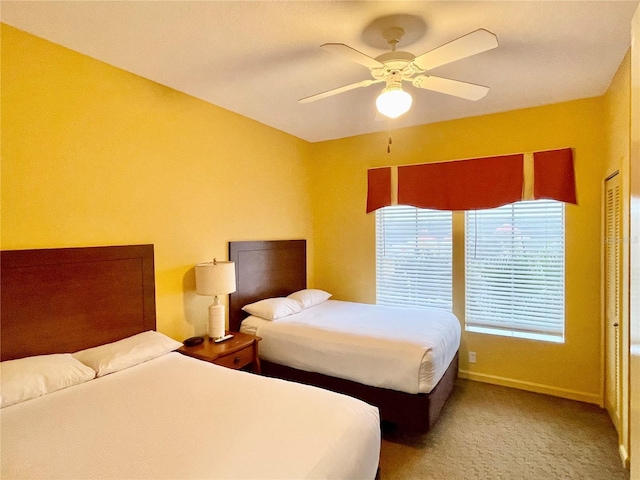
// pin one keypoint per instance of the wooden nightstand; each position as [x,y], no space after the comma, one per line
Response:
[237,352]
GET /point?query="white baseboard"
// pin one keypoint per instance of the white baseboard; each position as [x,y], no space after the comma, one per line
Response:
[533,387]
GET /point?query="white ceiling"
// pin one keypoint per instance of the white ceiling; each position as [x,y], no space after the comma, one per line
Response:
[259,58]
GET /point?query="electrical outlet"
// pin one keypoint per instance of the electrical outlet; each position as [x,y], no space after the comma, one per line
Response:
[472,357]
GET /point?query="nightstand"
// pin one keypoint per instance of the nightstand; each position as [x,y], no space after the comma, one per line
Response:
[237,352]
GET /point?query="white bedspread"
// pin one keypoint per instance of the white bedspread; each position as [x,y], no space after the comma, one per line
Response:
[397,348]
[177,417]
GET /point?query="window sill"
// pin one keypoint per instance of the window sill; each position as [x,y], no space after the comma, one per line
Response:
[525,335]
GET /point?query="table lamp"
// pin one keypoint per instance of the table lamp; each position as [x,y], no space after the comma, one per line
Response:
[213,279]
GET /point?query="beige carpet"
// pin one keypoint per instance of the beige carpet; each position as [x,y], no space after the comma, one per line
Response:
[497,433]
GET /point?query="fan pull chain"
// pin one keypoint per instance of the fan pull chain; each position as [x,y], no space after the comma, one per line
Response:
[389,145]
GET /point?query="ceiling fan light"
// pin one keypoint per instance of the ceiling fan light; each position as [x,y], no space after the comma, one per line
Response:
[393,102]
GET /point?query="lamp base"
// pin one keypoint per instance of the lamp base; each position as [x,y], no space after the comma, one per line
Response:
[216,321]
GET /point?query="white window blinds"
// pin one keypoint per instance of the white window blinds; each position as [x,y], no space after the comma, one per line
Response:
[413,257]
[514,264]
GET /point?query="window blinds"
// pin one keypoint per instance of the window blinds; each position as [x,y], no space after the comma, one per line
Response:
[514,264]
[413,257]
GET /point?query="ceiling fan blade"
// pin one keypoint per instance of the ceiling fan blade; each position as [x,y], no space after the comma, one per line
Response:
[471,44]
[335,91]
[470,91]
[352,54]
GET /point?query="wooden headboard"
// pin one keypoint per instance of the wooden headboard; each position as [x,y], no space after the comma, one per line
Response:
[66,299]
[265,269]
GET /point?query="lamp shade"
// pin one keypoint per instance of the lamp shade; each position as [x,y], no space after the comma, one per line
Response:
[393,101]
[215,278]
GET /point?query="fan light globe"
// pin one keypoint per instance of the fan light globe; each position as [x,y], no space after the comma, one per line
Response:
[393,102]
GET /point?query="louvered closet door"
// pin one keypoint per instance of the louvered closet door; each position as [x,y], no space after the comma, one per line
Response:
[612,298]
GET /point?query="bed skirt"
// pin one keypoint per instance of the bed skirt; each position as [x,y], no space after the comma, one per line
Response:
[417,412]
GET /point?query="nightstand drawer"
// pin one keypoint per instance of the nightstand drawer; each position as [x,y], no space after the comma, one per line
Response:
[236,360]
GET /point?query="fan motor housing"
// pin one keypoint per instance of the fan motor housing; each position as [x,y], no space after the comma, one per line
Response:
[395,60]
[395,64]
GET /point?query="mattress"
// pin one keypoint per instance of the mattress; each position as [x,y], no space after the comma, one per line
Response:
[401,349]
[177,417]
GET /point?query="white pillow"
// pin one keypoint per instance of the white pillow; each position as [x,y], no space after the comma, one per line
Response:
[127,352]
[310,297]
[31,377]
[273,308]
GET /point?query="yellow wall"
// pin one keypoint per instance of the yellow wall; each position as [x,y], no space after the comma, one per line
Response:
[617,118]
[93,155]
[345,243]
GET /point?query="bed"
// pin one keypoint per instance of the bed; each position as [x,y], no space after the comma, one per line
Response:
[411,399]
[162,414]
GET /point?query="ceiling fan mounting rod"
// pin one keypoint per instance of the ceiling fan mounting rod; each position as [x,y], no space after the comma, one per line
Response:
[393,36]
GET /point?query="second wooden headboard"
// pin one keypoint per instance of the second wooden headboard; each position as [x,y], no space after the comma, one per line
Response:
[265,269]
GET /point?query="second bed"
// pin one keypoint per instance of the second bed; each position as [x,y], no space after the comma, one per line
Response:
[402,360]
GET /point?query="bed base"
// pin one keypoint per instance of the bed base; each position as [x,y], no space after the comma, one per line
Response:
[414,412]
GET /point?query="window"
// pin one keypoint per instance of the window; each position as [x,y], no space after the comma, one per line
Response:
[514,264]
[413,257]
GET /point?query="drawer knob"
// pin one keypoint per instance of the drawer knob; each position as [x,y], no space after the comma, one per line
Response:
[236,360]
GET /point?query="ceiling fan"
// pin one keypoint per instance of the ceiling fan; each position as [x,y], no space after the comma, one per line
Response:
[396,66]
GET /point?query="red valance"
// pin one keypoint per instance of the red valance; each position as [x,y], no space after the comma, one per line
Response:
[462,185]
[477,183]
[378,188]
[553,175]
